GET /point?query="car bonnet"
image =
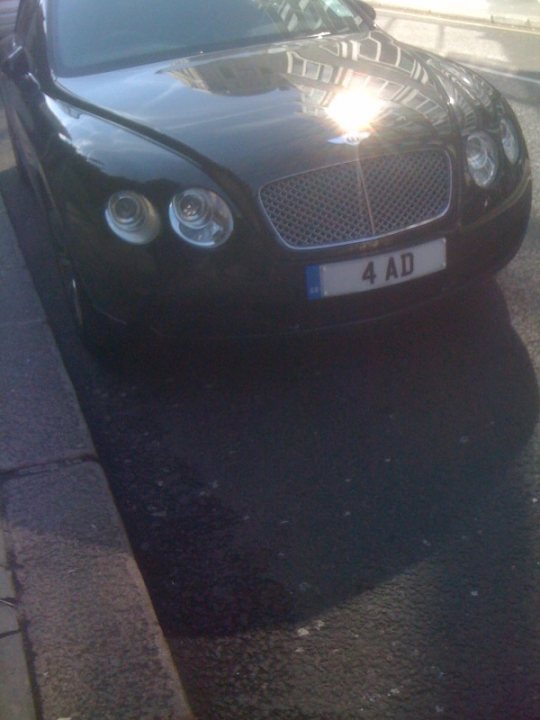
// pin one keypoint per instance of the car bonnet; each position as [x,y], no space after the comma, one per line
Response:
[264,111]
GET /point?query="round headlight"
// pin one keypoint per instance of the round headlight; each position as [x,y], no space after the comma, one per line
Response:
[509,139]
[201,218]
[482,158]
[132,217]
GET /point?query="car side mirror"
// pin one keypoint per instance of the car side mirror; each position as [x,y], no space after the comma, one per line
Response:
[17,68]
[14,64]
[366,9]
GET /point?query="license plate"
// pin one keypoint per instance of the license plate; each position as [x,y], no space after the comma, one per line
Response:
[377,271]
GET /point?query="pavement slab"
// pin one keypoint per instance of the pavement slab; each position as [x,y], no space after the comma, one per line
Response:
[16,698]
[10,255]
[87,616]
[7,591]
[40,421]
[18,297]
[3,549]
[524,14]
[8,620]
[16,701]
[486,48]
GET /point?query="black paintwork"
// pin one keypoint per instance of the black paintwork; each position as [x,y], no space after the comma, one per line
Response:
[232,121]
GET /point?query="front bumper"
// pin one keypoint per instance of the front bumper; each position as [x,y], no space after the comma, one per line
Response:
[265,294]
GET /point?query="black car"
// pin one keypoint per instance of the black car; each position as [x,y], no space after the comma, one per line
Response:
[257,166]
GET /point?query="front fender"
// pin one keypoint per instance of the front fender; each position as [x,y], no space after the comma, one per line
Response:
[87,159]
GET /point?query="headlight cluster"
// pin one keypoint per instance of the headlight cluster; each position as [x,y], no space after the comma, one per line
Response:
[201,218]
[132,217]
[482,158]
[198,216]
[483,152]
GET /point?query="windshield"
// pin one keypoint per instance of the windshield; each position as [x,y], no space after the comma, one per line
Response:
[90,35]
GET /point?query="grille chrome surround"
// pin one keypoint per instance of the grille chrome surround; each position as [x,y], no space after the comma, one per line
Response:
[358,201]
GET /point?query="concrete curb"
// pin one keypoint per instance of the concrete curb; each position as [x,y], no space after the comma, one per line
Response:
[16,701]
[515,22]
[78,635]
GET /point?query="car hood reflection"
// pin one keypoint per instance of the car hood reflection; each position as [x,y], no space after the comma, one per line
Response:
[277,100]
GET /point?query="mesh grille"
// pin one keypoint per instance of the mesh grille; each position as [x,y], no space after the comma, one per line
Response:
[319,208]
[405,190]
[329,206]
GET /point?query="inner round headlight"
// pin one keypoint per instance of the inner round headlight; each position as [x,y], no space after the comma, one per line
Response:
[132,217]
[509,139]
[482,158]
[201,217]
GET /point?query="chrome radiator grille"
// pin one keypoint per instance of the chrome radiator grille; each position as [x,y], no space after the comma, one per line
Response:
[359,200]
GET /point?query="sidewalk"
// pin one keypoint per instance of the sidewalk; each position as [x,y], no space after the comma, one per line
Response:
[524,14]
[79,639]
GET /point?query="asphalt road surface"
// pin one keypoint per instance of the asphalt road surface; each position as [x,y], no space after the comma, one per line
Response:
[347,526]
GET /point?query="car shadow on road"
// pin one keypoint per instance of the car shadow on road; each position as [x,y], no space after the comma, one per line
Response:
[310,473]
[346,452]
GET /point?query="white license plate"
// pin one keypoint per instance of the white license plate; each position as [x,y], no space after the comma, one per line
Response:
[377,271]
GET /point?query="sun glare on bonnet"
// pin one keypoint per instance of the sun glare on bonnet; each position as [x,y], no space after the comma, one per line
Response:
[354,110]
